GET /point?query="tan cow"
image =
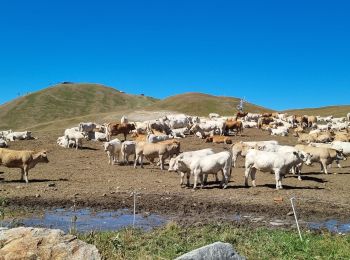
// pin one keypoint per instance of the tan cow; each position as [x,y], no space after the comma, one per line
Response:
[25,160]
[162,150]
[322,155]
[311,120]
[218,139]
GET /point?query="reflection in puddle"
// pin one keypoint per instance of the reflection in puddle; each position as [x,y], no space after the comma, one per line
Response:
[84,220]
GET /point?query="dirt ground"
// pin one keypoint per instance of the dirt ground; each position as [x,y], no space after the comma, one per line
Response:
[85,177]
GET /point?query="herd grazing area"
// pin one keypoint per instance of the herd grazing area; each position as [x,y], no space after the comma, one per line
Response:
[83,176]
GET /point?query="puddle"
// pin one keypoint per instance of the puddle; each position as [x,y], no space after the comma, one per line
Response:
[87,220]
[333,226]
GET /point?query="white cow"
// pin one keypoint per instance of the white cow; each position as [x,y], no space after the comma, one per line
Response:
[277,162]
[348,116]
[241,148]
[152,138]
[113,150]
[210,164]
[127,149]
[344,146]
[26,135]
[4,133]
[3,143]
[77,137]
[247,124]
[87,127]
[187,158]
[180,132]
[281,131]
[124,120]
[97,136]
[213,115]
[64,142]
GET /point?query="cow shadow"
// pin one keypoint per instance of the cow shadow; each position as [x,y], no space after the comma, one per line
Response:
[89,148]
[30,180]
[309,178]
[287,187]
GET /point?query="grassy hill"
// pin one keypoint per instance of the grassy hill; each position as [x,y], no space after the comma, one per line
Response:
[64,101]
[203,104]
[337,111]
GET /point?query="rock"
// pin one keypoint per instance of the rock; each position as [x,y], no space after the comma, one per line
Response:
[290,213]
[217,250]
[43,243]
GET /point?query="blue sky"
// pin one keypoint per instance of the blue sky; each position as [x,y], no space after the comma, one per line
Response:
[278,54]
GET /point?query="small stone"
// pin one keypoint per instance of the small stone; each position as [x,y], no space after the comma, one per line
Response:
[290,213]
[278,199]
[51,185]
[104,194]
[37,195]
[19,187]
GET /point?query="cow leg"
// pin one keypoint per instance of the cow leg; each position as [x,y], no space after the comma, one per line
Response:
[278,180]
[337,162]
[182,178]
[201,179]
[26,169]
[136,160]
[252,176]
[188,179]
[195,178]
[161,160]
[141,162]
[22,174]
[246,175]
[324,166]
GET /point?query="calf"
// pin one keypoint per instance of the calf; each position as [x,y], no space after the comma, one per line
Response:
[75,136]
[162,150]
[201,166]
[25,160]
[128,148]
[113,149]
[187,158]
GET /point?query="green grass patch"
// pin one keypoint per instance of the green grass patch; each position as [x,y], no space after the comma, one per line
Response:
[173,240]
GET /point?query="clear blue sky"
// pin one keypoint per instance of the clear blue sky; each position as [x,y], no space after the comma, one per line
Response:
[279,54]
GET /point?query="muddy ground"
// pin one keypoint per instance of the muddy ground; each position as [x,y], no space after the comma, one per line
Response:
[85,177]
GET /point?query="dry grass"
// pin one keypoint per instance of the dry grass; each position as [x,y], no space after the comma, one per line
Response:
[337,111]
[203,104]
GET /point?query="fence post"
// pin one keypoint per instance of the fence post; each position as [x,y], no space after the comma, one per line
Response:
[296,219]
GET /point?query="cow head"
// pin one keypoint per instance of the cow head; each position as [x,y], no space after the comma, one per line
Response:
[41,157]
[340,155]
[305,157]
[106,146]
[209,139]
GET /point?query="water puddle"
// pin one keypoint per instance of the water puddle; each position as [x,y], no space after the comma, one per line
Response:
[85,220]
[332,225]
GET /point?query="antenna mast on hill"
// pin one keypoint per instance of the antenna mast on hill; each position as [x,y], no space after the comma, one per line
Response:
[240,107]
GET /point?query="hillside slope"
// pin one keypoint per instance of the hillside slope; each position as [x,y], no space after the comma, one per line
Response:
[65,101]
[202,104]
[336,111]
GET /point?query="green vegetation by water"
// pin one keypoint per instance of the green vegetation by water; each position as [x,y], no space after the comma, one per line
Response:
[173,240]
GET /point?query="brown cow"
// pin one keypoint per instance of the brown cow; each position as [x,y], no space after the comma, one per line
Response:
[118,128]
[264,121]
[311,120]
[241,114]
[233,125]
